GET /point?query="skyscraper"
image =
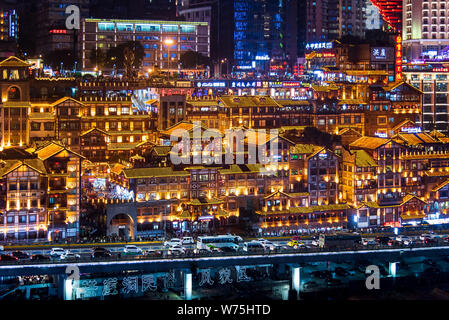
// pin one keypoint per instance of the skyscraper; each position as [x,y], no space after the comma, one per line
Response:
[391,11]
[425,30]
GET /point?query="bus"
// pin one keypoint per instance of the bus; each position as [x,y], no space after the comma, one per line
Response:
[344,240]
[211,242]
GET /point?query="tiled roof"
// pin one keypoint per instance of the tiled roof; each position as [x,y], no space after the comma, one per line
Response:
[364,159]
[441,185]
[205,202]
[305,210]
[369,143]
[14,62]
[11,165]
[136,173]
[162,151]
[305,149]
[52,149]
[244,168]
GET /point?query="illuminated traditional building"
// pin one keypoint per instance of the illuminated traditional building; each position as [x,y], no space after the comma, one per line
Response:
[41,193]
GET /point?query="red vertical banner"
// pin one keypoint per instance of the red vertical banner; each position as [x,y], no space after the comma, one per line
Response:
[398,58]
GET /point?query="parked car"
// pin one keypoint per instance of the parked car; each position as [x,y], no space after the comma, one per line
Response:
[7,257]
[425,236]
[253,246]
[268,245]
[404,240]
[172,242]
[70,256]
[429,241]
[101,253]
[228,249]
[315,241]
[187,240]
[176,250]
[393,243]
[152,253]
[39,257]
[20,255]
[57,252]
[382,240]
[132,250]
[368,242]
[296,244]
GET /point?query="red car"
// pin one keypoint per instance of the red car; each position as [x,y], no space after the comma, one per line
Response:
[7,257]
[429,241]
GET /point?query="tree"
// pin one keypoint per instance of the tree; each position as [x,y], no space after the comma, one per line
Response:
[98,58]
[192,59]
[55,58]
[128,56]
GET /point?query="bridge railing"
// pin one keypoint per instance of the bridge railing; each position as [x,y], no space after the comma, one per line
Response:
[190,255]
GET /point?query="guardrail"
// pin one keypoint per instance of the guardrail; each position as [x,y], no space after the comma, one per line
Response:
[190,255]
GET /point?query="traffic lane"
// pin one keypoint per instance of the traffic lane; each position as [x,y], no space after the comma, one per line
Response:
[307,240]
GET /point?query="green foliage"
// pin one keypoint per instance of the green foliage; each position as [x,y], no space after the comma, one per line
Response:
[128,56]
[192,59]
[54,59]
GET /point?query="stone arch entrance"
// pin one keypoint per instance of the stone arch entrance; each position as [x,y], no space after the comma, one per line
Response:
[122,225]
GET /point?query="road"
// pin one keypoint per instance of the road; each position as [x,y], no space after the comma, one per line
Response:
[85,250]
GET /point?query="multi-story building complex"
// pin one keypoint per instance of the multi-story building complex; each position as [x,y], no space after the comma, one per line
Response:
[40,194]
[105,34]
[15,104]
[425,33]
[373,19]
[9,21]
[332,19]
[432,80]
[52,33]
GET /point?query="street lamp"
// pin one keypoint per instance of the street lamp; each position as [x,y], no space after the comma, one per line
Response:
[168,43]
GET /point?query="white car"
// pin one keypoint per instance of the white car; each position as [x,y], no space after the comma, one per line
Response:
[57,252]
[172,242]
[404,239]
[69,256]
[176,250]
[425,236]
[368,242]
[268,245]
[187,240]
[131,249]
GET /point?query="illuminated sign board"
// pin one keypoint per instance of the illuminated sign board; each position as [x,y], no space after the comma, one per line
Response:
[263,58]
[399,58]
[411,130]
[58,31]
[379,53]
[245,84]
[211,84]
[290,84]
[319,45]
[440,70]
[276,84]
[381,135]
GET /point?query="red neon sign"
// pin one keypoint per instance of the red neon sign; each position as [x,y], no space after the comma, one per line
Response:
[58,31]
[399,58]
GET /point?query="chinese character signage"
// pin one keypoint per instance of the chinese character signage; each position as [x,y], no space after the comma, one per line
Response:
[399,58]
[319,45]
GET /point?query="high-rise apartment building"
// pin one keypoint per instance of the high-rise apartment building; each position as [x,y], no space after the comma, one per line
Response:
[333,19]
[105,34]
[373,19]
[425,29]
[52,34]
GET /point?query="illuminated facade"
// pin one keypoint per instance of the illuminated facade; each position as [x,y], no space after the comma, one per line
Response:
[40,194]
[432,79]
[391,11]
[105,34]
[425,30]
